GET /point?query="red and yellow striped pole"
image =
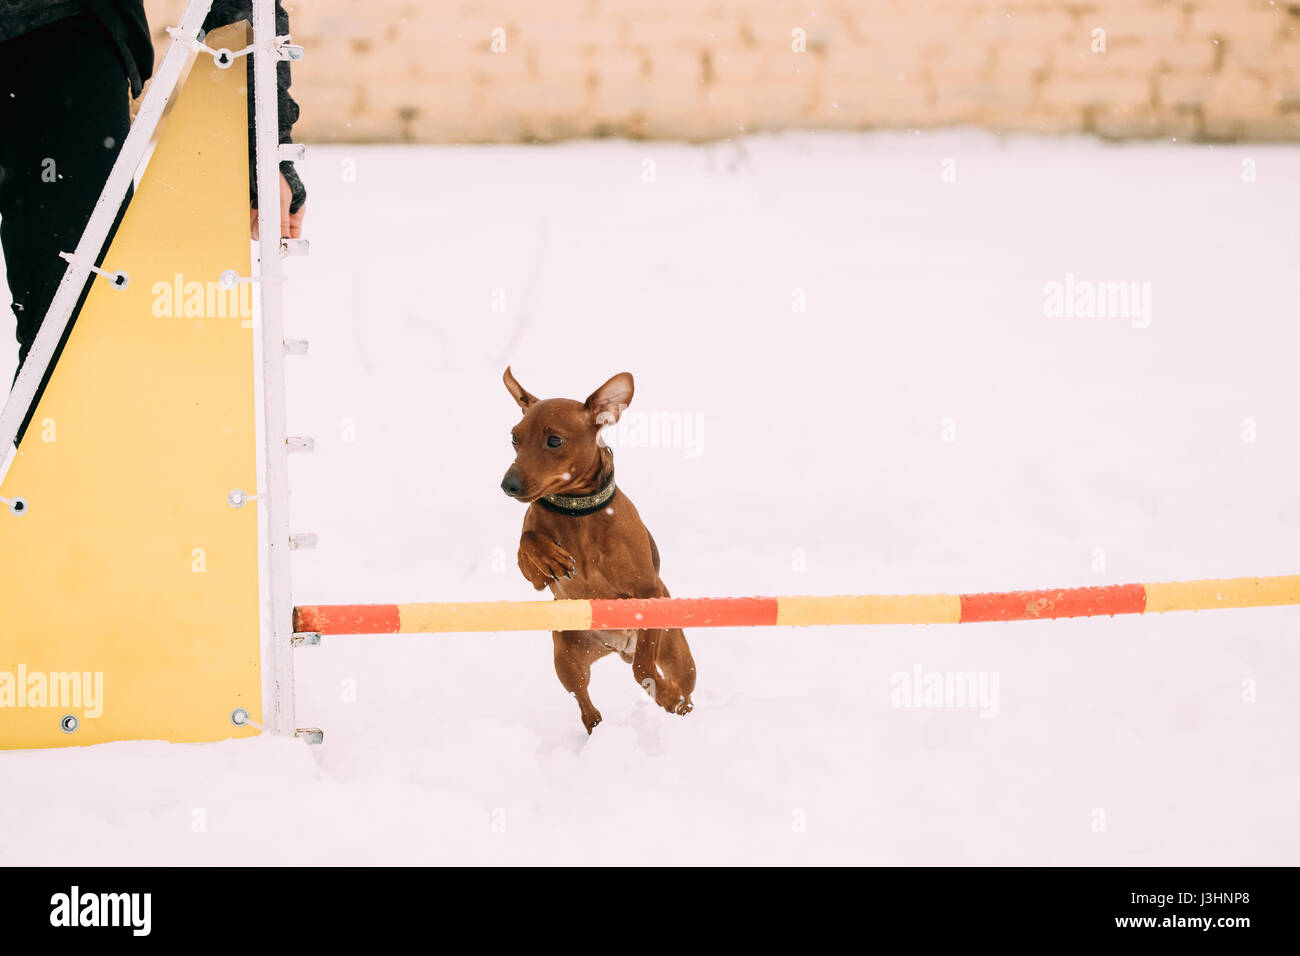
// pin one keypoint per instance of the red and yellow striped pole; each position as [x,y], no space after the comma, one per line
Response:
[796,611]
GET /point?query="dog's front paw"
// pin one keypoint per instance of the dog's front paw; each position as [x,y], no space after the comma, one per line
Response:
[542,560]
[537,578]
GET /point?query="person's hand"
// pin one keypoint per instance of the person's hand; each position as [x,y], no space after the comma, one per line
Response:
[290,223]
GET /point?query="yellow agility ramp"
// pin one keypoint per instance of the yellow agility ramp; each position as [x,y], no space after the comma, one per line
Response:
[129,582]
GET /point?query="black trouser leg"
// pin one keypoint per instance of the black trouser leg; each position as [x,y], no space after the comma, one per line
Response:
[64,112]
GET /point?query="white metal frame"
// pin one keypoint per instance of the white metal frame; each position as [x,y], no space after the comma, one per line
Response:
[277,680]
[277,599]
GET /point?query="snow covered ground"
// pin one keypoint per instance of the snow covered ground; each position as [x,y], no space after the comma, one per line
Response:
[923,424]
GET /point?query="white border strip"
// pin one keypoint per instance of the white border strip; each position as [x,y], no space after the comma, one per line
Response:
[277,681]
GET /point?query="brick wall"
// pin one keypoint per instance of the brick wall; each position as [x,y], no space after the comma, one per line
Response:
[410,71]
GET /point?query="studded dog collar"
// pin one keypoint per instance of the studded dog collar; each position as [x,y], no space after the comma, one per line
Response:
[577,505]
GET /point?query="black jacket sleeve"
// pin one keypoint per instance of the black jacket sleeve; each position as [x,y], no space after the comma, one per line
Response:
[126,24]
[231,11]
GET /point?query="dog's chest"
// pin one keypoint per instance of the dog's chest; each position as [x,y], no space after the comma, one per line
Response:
[624,642]
[588,582]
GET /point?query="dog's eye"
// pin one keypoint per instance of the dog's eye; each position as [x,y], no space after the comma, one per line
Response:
[555,441]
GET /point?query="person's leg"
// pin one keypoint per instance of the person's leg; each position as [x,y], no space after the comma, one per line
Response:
[67,113]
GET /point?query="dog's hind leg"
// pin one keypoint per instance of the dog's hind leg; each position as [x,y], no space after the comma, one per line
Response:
[574,653]
[678,667]
[663,666]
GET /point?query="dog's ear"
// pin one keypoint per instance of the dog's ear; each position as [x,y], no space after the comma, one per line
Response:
[517,391]
[606,403]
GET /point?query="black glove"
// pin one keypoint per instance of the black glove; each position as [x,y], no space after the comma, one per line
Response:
[297,191]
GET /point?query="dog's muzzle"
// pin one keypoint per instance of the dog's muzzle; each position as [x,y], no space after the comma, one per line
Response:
[511,484]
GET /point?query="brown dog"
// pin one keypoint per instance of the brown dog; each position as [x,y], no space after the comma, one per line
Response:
[583,539]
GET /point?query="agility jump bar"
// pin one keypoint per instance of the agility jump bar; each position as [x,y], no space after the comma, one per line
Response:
[639,614]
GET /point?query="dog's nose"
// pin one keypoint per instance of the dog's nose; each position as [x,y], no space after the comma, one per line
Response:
[511,485]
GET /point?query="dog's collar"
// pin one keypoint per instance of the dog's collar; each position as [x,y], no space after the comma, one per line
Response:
[578,505]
